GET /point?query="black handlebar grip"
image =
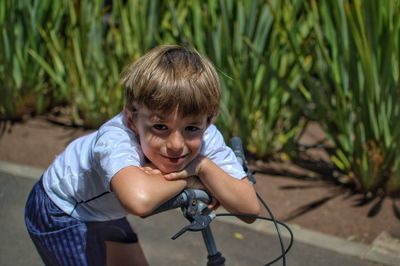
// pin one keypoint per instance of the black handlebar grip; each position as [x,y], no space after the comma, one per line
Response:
[182,200]
[237,148]
[178,201]
[198,194]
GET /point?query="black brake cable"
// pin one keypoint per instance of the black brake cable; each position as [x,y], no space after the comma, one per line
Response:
[276,222]
[183,198]
[237,147]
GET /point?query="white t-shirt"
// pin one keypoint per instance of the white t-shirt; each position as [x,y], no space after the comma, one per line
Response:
[78,181]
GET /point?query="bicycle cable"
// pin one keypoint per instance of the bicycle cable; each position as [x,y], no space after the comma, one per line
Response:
[182,199]
[275,222]
[237,147]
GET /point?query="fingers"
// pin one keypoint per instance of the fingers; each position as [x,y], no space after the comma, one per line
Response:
[194,182]
[150,170]
[214,204]
[177,175]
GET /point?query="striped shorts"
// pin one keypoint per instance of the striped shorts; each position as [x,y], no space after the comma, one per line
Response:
[63,240]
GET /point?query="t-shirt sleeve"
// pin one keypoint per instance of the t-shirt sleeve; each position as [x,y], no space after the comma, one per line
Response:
[216,150]
[114,150]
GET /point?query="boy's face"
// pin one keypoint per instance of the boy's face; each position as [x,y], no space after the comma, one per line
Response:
[169,141]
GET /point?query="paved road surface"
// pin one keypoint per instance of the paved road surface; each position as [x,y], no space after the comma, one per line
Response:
[239,245]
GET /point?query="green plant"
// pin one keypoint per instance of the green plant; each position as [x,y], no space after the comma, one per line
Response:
[87,58]
[355,88]
[83,65]
[257,70]
[24,88]
[138,26]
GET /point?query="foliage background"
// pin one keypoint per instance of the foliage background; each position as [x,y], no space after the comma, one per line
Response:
[282,64]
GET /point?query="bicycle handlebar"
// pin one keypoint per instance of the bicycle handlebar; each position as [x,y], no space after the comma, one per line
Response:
[237,147]
[193,203]
[182,200]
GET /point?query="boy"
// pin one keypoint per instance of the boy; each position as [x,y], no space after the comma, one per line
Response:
[161,143]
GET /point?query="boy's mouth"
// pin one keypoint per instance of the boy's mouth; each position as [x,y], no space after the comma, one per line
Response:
[175,159]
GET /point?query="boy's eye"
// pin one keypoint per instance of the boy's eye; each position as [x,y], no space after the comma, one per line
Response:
[192,128]
[160,127]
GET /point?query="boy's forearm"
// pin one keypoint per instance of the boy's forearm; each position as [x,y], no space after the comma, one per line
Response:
[140,193]
[158,190]
[237,196]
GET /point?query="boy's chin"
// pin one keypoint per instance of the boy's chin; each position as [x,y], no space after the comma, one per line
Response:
[171,169]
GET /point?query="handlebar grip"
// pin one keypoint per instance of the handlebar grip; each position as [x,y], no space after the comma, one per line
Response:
[198,194]
[182,200]
[176,202]
[237,148]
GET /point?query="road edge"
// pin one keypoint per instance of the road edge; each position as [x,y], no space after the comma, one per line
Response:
[383,250]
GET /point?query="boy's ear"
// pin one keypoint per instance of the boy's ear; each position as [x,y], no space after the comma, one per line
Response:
[129,119]
[210,120]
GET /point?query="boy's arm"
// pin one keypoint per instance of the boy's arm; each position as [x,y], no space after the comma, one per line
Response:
[140,193]
[237,196]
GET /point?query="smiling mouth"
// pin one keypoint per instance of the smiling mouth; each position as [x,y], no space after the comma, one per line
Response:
[174,159]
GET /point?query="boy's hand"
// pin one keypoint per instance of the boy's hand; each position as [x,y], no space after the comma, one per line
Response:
[190,173]
[214,204]
[192,169]
[194,182]
[150,169]
[184,174]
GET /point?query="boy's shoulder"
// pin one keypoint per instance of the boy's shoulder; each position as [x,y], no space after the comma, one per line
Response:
[212,138]
[211,132]
[115,124]
[115,137]
[115,130]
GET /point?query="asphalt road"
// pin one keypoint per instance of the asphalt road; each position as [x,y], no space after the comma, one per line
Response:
[239,245]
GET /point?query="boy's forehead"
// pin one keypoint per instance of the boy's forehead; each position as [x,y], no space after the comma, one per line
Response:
[159,115]
[143,111]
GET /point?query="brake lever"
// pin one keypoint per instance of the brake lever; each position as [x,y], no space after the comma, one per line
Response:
[197,213]
[198,223]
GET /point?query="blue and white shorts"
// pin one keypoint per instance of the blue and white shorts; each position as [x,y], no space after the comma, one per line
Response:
[63,240]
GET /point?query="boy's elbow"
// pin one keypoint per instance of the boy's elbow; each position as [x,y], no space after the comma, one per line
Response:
[257,209]
[252,213]
[140,212]
[249,213]
[141,205]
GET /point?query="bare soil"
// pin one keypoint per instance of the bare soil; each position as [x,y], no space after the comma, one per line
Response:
[295,194]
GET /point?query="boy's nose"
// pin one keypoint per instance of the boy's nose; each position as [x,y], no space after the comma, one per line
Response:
[175,142]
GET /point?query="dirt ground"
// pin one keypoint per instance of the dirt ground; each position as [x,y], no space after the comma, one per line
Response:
[310,203]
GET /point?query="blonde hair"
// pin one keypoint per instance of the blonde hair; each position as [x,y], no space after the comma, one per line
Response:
[169,77]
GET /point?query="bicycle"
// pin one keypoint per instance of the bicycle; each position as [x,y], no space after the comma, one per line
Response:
[194,202]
